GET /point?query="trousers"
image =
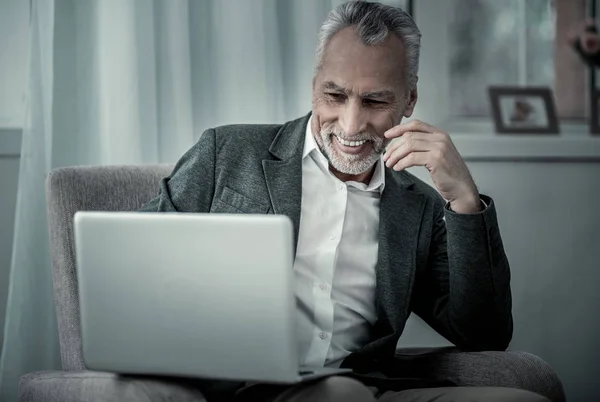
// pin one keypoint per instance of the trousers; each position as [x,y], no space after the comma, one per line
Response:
[506,375]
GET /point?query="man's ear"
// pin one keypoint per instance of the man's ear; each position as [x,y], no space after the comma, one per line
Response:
[412,101]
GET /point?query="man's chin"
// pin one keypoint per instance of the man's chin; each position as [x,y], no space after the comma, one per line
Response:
[348,163]
[352,168]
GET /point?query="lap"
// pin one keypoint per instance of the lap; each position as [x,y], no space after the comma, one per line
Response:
[335,389]
[332,389]
[472,372]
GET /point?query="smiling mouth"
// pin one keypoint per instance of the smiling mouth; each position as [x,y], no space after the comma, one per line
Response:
[350,143]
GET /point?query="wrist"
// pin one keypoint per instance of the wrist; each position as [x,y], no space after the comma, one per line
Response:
[470,204]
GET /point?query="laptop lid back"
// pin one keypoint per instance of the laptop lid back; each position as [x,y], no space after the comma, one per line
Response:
[203,295]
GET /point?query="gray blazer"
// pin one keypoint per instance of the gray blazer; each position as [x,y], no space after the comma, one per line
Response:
[450,269]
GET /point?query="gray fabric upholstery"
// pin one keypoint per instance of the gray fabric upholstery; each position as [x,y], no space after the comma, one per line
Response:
[89,386]
[504,369]
[72,189]
[501,369]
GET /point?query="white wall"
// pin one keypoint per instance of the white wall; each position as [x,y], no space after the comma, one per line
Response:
[14,38]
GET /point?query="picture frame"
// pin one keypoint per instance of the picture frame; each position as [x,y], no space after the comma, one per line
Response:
[595,112]
[523,110]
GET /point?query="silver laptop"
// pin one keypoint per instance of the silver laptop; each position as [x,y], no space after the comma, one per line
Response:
[200,295]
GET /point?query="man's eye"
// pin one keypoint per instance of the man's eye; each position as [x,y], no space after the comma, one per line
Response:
[373,102]
[336,97]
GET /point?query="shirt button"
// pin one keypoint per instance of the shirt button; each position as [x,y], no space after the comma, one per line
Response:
[322,286]
[340,187]
[323,335]
[331,237]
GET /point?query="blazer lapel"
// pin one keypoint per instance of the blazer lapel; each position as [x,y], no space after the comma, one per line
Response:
[283,174]
[400,217]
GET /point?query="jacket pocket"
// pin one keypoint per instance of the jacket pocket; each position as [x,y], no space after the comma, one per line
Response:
[233,202]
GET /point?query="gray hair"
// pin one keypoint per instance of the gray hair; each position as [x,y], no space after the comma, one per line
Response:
[373,22]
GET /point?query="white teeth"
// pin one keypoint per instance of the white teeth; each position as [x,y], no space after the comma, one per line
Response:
[350,143]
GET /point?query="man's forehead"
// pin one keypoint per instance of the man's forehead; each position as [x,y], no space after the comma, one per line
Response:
[372,66]
[367,91]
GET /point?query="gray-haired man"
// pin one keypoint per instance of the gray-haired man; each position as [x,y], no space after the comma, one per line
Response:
[373,243]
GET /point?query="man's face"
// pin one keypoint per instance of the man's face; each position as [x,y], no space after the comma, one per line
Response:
[359,93]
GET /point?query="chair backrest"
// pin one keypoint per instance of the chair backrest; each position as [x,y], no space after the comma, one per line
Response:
[93,188]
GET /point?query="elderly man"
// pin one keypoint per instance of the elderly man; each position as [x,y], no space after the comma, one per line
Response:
[377,242]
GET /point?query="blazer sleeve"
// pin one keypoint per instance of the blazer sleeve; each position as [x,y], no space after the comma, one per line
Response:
[190,187]
[464,292]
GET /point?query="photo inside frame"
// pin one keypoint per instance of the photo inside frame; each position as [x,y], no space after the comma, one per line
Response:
[526,111]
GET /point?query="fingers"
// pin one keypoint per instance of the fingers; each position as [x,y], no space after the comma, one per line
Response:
[417,144]
[410,141]
[414,125]
[415,141]
[403,149]
[412,159]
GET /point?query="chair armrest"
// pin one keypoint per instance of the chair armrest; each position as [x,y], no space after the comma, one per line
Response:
[91,386]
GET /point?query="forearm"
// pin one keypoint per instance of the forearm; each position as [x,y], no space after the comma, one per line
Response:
[479,298]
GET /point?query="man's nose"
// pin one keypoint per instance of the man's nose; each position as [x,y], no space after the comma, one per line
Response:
[353,119]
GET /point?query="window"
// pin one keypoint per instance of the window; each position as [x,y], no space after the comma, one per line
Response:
[509,42]
[477,43]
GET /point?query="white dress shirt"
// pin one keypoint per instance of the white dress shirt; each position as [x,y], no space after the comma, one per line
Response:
[335,260]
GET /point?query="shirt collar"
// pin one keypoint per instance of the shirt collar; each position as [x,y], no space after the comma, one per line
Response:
[377,182]
[309,140]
